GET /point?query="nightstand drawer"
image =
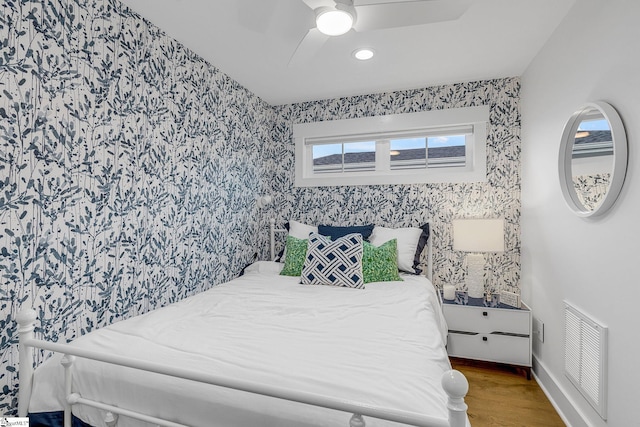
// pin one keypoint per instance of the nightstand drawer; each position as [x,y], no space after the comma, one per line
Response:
[490,347]
[486,320]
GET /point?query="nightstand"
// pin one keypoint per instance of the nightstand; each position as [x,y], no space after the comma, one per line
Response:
[493,334]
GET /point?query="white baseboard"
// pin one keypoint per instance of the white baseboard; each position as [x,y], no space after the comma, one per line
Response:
[566,407]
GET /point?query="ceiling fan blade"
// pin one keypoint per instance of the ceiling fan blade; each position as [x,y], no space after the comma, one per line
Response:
[308,47]
[315,4]
[378,16]
[280,19]
[372,2]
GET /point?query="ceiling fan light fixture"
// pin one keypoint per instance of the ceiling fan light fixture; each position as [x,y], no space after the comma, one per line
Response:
[363,54]
[334,22]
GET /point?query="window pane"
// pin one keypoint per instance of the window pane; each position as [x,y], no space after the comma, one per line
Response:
[447,151]
[327,158]
[593,138]
[408,153]
[359,156]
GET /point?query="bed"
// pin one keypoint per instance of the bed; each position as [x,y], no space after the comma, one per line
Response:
[260,350]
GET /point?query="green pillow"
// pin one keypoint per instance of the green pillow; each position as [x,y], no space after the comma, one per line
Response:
[380,263]
[294,260]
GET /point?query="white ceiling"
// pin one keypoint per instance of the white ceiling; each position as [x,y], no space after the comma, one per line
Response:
[253,41]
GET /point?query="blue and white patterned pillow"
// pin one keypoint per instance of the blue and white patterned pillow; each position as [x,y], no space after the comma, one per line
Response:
[334,262]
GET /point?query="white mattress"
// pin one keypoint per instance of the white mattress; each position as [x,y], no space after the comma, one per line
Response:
[382,345]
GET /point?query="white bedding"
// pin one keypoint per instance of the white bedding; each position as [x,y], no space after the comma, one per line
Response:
[382,345]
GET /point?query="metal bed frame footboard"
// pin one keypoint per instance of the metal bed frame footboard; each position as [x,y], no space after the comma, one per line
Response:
[453,382]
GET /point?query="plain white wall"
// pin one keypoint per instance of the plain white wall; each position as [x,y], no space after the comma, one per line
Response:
[593,55]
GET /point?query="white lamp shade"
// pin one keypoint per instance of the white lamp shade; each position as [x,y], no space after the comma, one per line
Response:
[478,235]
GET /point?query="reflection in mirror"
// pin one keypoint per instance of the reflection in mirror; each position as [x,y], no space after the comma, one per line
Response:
[592,158]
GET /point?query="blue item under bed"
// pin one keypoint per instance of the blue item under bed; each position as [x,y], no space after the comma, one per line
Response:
[53,419]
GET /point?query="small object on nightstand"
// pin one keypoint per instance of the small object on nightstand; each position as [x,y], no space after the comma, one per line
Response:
[462,297]
[510,298]
[449,292]
[493,300]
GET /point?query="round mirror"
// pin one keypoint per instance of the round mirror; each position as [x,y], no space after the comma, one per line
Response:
[593,159]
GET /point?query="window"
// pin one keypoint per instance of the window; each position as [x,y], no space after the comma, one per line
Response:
[432,146]
[345,157]
[593,137]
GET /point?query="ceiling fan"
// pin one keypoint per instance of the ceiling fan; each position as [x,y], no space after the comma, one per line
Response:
[336,17]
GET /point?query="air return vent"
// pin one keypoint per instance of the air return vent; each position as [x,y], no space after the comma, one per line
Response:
[585,357]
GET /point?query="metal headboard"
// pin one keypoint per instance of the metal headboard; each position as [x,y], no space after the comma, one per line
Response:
[272,237]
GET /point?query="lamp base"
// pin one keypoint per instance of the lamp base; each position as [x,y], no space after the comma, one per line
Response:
[475,275]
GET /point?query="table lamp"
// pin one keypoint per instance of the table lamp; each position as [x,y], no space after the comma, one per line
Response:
[477,236]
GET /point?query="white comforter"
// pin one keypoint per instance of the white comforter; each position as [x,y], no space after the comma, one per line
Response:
[383,345]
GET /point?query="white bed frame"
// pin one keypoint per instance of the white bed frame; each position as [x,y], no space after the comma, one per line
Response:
[453,382]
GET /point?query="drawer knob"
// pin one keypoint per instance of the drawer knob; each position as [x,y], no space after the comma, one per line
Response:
[484,313]
[485,339]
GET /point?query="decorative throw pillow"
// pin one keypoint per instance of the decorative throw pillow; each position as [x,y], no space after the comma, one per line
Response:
[380,263]
[298,230]
[411,243]
[336,232]
[333,262]
[296,252]
[422,243]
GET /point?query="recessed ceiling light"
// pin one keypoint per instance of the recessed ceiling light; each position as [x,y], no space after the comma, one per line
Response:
[334,22]
[363,54]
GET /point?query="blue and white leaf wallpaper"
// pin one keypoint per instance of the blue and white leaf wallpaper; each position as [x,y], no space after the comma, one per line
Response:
[591,189]
[412,205]
[129,170]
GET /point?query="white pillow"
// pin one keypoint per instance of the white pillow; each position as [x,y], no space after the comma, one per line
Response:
[408,239]
[300,230]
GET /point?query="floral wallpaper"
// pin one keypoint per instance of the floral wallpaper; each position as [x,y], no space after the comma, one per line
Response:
[129,170]
[591,189]
[412,205]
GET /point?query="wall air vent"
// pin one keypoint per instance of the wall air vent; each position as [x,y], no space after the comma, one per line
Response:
[585,357]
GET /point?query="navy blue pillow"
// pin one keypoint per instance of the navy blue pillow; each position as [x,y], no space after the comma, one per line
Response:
[422,242]
[336,232]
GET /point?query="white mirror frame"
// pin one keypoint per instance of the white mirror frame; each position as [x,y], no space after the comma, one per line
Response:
[618,173]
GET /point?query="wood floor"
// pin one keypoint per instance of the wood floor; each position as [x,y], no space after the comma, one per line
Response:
[502,396]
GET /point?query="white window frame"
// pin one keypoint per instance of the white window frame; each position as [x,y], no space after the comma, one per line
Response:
[384,128]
